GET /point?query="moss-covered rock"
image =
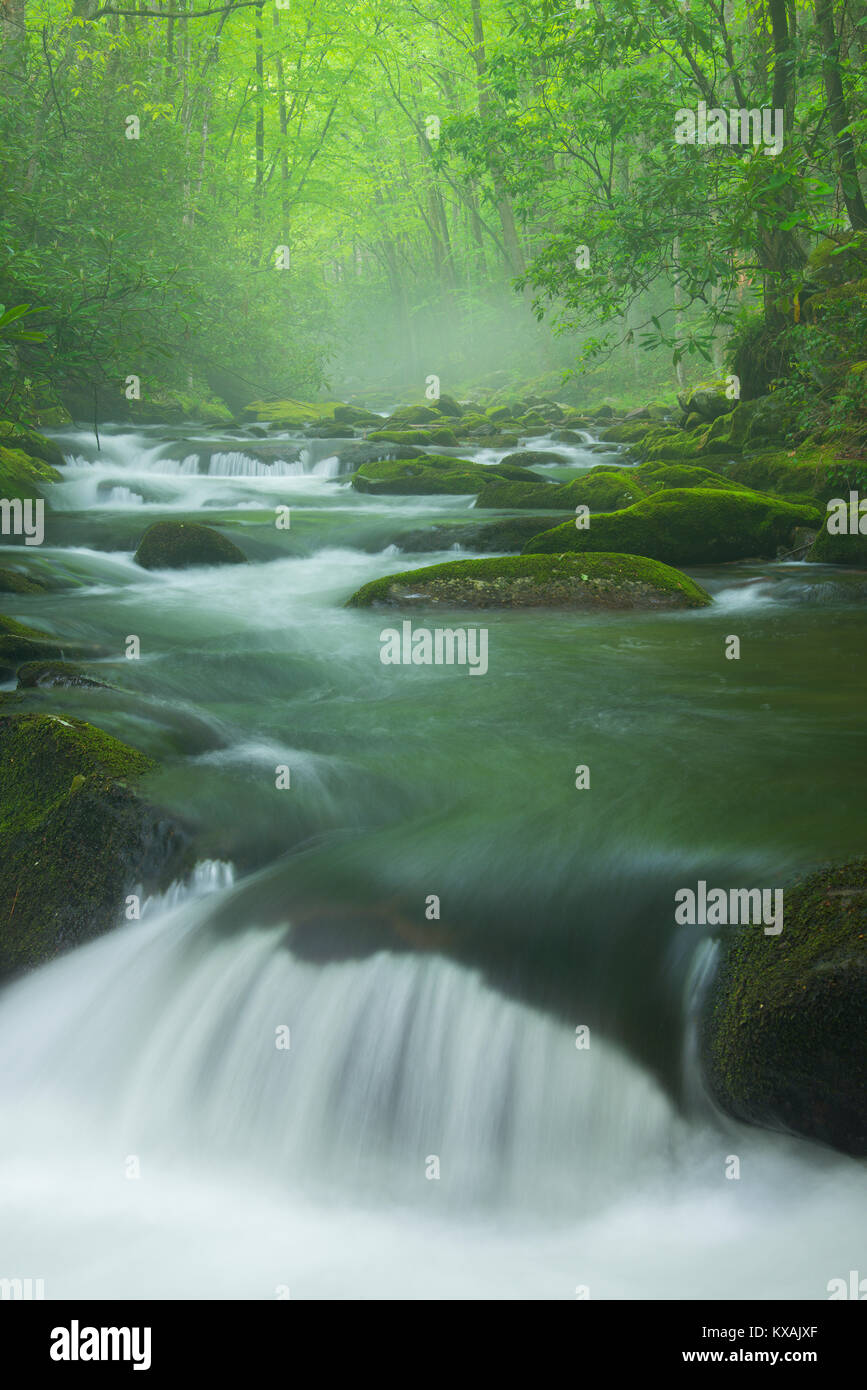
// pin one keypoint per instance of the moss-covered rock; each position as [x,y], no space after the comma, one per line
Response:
[629,432]
[831,549]
[447,405]
[653,477]
[530,581]
[355,415]
[783,1029]
[30,442]
[708,401]
[411,415]
[182,544]
[524,495]
[290,414]
[74,837]
[161,404]
[11,582]
[19,643]
[697,526]
[810,470]
[602,489]
[23,476]
[34,674]
[533,458]
[396,436]
[430,476]
[330,432]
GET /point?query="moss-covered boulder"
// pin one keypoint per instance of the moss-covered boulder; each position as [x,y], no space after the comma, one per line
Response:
[65,674]
[12,582]
[74,836]
[447,405]
[499,493]
[401,436]
[602,489]
[19,643]
[629,432]
[810,470]
[838,549]
[431,475]
[653,477]
[783,1028]
[708,401]
[533,458]
[290,414]
[182,544]
[697,526]
[23,476]
[355,415]
[330,432]
[529,581]
[30,442]
[411,415]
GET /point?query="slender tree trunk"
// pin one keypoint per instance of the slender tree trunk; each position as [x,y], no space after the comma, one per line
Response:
[838,115]
[504,207]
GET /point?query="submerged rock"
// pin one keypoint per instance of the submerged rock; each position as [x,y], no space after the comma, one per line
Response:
[19,644]
[74,837]
[182,544]
[695,526]
[783,1027]
[511,533]
[530,581]
[11,582]
[55,673]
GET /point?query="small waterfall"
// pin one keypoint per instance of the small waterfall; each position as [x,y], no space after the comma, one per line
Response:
[363,1072]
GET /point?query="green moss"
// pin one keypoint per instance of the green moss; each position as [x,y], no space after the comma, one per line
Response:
[165,403]
[630,432]
[782,1039]
[11,582]
[656,476]
[19,644]
[290,413]
[667,442]
[35,445]
[698,526]
[54,673]
[809,470]
[431,475]
[411,415]
[355,415]
[828,549]
[533,458]
[402,436]
[532,581]
[24,477]
[74,838]
[533,496]
[180,544]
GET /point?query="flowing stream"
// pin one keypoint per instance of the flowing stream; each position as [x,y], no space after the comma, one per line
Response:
[285,1080]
